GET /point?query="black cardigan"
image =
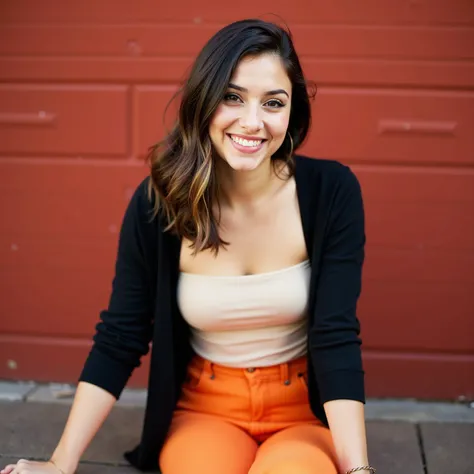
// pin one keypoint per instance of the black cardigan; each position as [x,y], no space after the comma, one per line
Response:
[143,304]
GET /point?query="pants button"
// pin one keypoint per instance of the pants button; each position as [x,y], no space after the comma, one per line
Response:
[287,382]
[251,369]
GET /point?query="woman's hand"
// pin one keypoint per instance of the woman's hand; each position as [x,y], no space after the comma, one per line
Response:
[32,467]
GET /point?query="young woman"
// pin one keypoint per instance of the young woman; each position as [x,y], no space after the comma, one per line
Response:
[241,263]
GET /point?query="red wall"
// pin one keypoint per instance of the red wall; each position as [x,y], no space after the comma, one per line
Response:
[83,87]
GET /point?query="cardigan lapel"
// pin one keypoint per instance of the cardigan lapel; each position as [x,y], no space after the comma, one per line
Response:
[304,180]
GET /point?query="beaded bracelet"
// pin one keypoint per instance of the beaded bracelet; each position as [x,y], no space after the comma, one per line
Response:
[362,468]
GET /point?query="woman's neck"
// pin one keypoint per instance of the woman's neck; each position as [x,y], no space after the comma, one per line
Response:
[241,189]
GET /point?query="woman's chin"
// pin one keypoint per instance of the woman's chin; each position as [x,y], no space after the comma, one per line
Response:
[244,163]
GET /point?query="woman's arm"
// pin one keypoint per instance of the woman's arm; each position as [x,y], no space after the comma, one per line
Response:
[125,329]
[334,336]
[121,339]
[90,408]
[347,425]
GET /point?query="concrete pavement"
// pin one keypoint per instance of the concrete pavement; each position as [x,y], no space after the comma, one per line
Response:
[405,437]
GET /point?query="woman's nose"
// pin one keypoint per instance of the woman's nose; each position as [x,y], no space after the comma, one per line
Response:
[251,119]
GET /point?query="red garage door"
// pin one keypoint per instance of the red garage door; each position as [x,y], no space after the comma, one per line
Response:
[82,91]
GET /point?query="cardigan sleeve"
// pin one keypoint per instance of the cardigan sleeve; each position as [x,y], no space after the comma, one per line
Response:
[123,334]
[334,336]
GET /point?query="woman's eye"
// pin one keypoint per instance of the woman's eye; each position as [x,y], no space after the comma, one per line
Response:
[231,98]
[274,103]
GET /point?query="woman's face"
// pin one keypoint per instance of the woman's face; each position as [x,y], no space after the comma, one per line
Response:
[251,122]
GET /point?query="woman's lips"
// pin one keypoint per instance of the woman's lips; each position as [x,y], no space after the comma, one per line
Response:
[246,145]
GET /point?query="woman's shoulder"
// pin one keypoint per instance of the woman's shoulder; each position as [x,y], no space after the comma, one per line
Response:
[141,207]
[141,201]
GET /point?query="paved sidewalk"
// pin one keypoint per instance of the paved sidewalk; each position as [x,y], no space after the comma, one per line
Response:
[405,437]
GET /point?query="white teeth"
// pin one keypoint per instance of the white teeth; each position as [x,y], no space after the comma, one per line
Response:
[243,142]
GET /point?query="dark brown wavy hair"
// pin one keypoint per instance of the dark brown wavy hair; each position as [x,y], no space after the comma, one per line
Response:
[183,176]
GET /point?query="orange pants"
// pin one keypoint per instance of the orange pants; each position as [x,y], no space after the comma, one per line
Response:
[246,421]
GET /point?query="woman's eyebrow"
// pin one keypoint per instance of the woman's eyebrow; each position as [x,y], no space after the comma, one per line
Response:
[274,92]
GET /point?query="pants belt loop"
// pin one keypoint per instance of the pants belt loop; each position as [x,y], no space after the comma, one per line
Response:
[284,373]
[208,367]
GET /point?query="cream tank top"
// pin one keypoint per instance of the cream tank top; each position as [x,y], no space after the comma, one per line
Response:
[247,320]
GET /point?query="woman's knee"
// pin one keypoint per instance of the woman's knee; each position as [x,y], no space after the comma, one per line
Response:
[295,466]
[200,444]
[304,449]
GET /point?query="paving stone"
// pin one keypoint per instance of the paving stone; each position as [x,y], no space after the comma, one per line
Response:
[449,447]
[33,430]
[84,468]
[135,398]
[64,394]
[393,447]
[15,391]
[416,412]
[57,393]
[120,432]
[103,469]
[5,461]
[30,429]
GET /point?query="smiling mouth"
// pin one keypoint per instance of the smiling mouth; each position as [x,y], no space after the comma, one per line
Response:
[246,142]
